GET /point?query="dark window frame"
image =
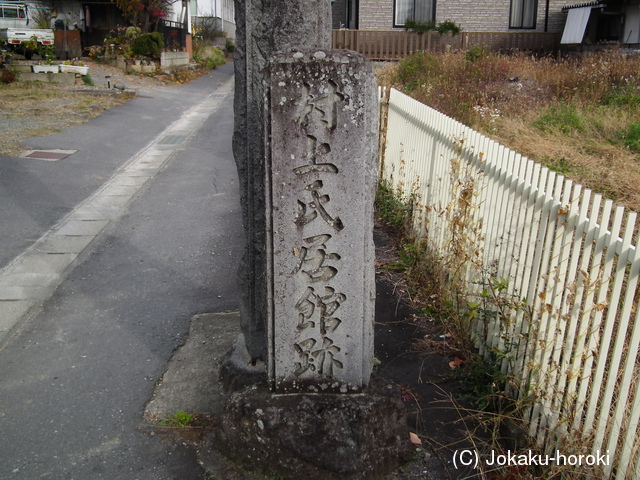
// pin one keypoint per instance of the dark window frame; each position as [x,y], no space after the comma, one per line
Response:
[522,25]
[401,25]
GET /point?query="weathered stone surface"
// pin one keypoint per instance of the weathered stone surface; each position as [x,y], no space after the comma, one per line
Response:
[238,371]
[263,27]
[323,436]
[321,177]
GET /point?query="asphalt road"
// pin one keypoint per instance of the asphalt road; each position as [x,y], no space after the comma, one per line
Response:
[77,370]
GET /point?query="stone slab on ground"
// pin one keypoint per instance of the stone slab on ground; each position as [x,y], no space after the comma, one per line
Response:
[191,382]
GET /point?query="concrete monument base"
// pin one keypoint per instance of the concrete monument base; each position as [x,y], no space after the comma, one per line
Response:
[317,436]
[237,371]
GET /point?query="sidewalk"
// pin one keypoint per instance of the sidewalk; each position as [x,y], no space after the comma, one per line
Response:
[76,375]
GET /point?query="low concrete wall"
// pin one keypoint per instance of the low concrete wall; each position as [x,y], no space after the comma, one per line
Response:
[66,78]
[174,59]
[21,68]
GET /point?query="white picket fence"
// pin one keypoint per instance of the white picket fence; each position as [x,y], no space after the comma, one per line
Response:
[564,255]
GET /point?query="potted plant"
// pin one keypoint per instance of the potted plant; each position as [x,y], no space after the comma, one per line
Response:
[74,67]
[6,57]
[45,68]
[48,55]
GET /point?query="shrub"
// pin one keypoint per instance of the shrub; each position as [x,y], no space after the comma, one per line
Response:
[148,45]
[132,32]
[448,26]
[6,75]
[215,59]
[210,56]
[424,27]
[419,27]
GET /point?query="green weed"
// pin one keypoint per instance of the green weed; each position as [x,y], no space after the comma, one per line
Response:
[416,70]
[179,419]
[476,53]
[631,137]
[393,210]
[87,80]
[628,96]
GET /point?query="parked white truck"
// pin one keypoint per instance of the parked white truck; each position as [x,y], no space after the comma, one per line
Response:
[15,34]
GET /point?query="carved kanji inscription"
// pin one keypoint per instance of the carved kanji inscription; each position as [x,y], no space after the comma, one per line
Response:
[321,177]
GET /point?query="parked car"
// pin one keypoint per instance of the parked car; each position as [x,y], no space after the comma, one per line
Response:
[15,34]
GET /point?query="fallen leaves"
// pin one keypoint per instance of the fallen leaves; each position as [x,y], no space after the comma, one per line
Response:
[455,363]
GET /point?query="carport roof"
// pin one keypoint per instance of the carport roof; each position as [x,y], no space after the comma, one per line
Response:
[588,4]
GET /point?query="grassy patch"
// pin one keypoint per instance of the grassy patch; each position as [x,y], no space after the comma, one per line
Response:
[623,97]
[564,119]
[37,109]
[577,115]
[631,137]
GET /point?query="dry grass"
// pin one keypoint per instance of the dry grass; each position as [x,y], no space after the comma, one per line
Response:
[573,115]
[37,109]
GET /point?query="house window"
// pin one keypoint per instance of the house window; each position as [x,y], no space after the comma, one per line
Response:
[418,10]
[523,13]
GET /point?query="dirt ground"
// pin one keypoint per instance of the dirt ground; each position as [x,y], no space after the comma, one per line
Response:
[428,385]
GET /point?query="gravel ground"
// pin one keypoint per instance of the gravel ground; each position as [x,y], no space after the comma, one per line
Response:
[99,73]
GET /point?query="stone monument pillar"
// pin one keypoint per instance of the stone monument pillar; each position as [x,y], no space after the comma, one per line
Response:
[322,132]
[263,27]
[305,143]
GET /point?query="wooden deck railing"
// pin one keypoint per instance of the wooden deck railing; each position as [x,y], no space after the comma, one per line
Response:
[396,44]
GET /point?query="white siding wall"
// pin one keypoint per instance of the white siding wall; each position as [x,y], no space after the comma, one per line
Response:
[222,10]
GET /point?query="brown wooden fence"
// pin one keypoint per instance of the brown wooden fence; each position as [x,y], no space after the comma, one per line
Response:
[396,44]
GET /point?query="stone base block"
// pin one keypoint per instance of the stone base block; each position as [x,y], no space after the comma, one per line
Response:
[317,436]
